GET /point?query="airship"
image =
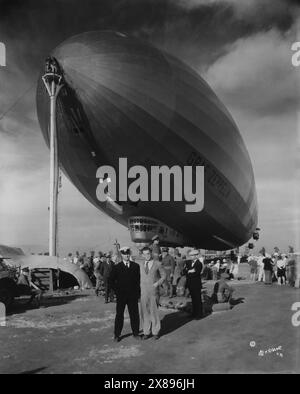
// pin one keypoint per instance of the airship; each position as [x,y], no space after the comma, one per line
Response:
[125,98]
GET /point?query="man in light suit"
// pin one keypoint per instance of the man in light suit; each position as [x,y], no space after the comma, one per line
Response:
[193,271]
[152,276]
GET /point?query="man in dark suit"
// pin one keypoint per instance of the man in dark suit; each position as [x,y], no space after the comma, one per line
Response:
[125,281]
[193,270]
[105,271]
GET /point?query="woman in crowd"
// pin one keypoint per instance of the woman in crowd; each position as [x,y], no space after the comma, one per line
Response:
[281,271]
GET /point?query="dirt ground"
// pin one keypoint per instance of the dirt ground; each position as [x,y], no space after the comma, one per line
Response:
[73,334]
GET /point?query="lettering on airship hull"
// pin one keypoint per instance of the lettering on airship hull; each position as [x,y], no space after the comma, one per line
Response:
[160,180]
[212,176]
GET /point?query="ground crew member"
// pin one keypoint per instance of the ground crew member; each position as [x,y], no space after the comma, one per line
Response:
[156,252]
[99,279]
[105,271]
[193,269]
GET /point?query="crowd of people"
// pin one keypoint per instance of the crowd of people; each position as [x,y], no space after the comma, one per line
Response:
[98,268]
[265,268]
[137,285]
[162,271]
[268,268]
[157,271]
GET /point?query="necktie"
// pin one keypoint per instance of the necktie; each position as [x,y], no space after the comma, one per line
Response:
[127,265]
[147,267]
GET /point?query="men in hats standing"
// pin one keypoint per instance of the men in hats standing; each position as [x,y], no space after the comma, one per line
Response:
[105,271]
[152,276]
[125,281]
[193,270]
[156,252]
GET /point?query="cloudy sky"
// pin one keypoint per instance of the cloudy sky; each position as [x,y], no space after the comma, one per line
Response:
[241,47]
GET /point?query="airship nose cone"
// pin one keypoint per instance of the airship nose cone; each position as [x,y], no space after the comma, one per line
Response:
[109,68]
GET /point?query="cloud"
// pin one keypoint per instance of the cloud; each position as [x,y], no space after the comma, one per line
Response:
[199,31]
[246,8]
[256,74]
[278,218]
[192,30]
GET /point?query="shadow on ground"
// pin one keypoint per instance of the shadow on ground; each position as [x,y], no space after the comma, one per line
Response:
[173,321]
[21,304]
[237,301]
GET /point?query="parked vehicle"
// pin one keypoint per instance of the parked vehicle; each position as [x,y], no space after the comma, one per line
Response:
[8,286]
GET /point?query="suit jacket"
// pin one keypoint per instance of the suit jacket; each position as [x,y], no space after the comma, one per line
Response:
[126,281]
[155,275]
[193,279]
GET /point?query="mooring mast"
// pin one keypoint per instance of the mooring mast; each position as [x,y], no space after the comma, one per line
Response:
[53,81]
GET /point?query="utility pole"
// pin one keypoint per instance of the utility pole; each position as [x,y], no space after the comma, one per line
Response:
[53,81]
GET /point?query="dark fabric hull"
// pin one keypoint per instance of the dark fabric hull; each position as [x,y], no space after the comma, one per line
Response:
[125,98]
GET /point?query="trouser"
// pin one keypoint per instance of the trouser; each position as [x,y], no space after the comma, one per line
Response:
[99,283]
[108,291]
[268,277]
[261,275]
[253,276]
[133,309]
[33,293]
[196,301]
[167,285]
[150,314]
[281,276]
[92,278]
[155,256]
[174,290]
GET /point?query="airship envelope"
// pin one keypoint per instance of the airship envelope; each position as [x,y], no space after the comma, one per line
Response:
[124,98]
